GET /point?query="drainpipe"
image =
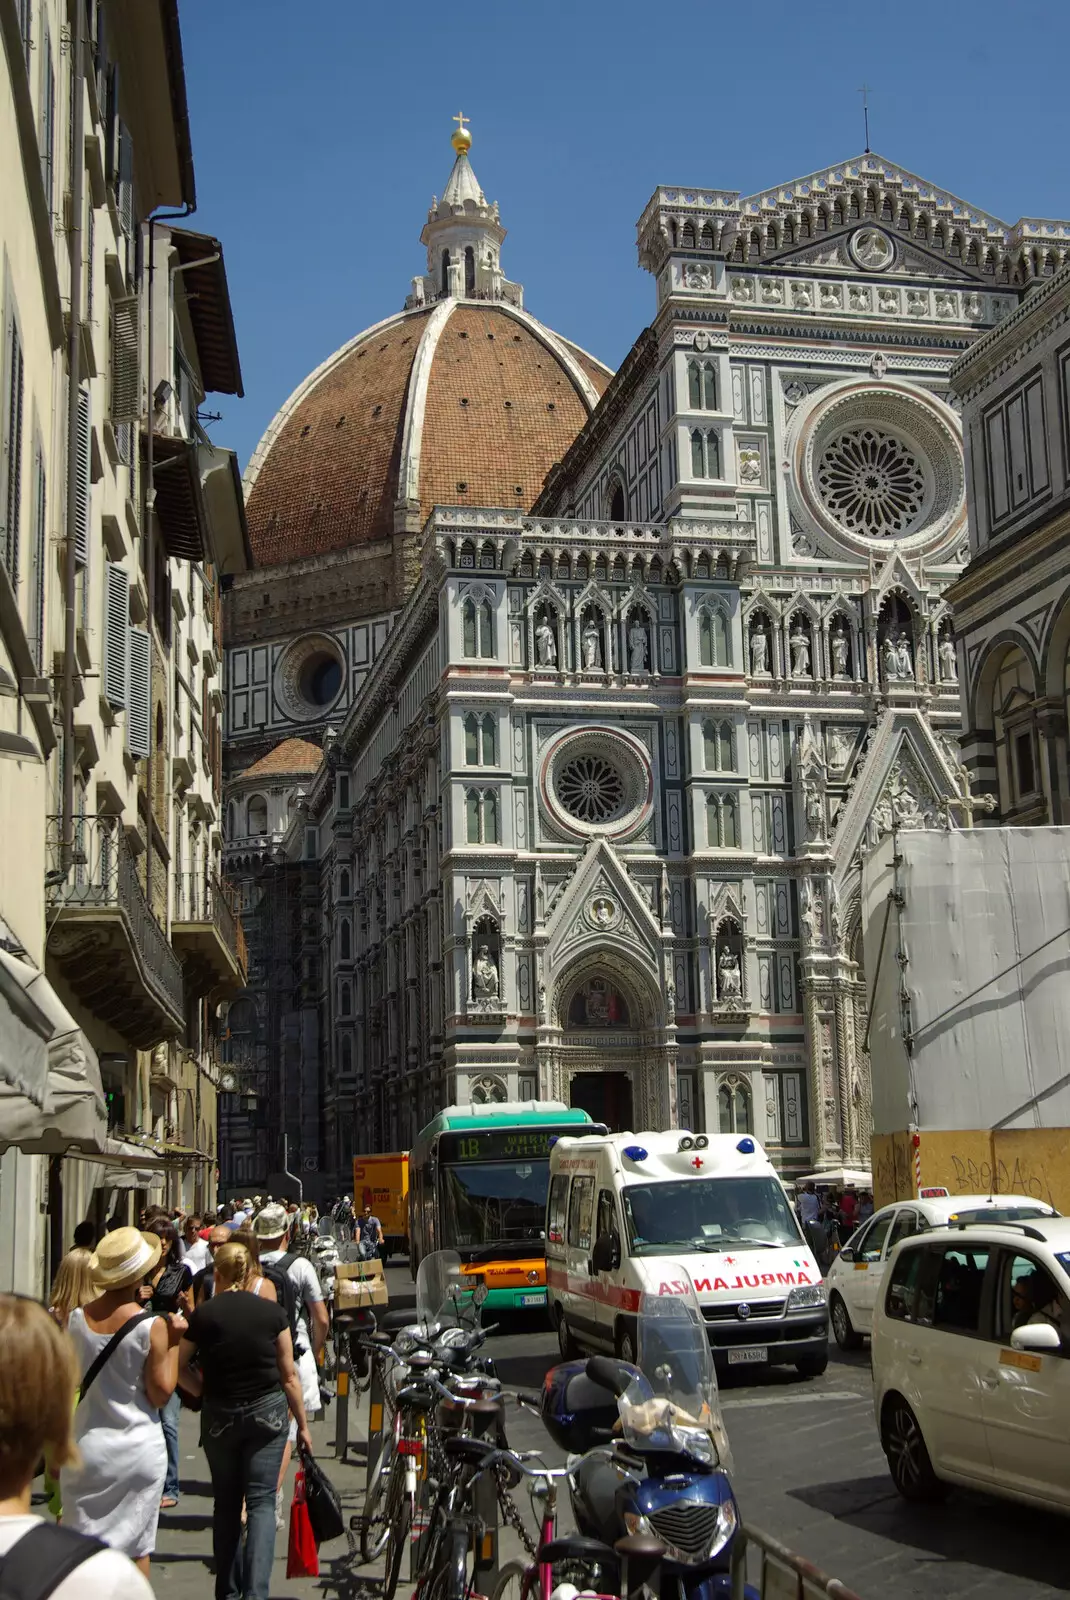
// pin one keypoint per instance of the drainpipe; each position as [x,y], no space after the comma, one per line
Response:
[74,378]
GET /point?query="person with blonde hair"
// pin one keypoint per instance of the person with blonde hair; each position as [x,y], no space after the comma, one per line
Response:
[72,1286]
[37,1381]
[128,1360]
[245,1370]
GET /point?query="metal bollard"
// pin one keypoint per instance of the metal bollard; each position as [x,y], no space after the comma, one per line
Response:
[341,1420]
[485,1505]
[375,1423]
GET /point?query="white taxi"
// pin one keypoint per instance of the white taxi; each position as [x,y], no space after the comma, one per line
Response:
[635,1213]
[971,1362]
[855,1276]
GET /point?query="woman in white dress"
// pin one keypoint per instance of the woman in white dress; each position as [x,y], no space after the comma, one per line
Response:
[115,1493]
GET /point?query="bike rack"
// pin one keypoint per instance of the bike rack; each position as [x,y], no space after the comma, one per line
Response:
[784,1575]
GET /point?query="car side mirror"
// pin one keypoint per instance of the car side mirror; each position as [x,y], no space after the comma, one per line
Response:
[1038,1336]
[605,1257]
[847,1254]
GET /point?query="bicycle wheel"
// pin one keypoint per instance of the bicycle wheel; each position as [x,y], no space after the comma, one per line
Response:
[398,1531]
[375,1524]
[513,1582]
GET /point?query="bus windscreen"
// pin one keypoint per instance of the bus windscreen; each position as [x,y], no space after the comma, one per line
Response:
[492,1202]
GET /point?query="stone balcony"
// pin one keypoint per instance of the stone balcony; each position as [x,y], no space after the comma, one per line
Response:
[209,938]
[112,951]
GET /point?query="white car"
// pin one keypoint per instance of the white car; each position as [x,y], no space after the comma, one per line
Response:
[971,1362]
[855,1276]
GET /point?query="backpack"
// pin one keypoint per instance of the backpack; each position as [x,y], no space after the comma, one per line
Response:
[286,1292]
[37,1564]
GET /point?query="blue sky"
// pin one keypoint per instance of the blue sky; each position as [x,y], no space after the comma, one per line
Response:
[321,131]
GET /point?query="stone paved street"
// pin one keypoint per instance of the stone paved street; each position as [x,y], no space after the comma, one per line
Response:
[809,1470]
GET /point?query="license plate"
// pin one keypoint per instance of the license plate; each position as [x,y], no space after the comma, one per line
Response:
[534,1299]
[753,1353]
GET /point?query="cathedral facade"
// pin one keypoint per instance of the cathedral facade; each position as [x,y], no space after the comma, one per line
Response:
[591,830]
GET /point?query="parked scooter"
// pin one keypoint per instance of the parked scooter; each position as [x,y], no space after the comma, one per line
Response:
[655,1455]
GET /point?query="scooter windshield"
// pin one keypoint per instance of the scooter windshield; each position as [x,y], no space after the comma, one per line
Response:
[446,1296]
[675,1405]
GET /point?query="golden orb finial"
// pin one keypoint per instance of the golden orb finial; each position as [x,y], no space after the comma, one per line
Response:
[462,139]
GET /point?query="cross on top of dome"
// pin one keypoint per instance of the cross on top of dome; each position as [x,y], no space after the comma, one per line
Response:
[463,235]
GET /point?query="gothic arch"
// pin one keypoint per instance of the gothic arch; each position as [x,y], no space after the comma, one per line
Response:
[645,1007]
[1055,649]
[987,670]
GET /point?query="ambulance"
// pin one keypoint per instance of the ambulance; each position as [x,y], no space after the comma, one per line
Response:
[628,1212]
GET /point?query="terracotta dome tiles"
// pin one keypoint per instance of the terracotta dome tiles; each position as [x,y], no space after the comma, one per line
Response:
[501,408]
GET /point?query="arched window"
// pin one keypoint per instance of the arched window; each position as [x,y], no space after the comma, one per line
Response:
[471,811]
[486,629]
[445,272]
[733,1108]
[729,823]
[702,385]
[617,511]
[490,817]
[713,455]
[257,816]
[713,822]
[345,941]
[345,1000]
[718,745]
[471,740]
[713,638]
[698,455]
[345,884]
[1013,727]
[469,270]
[471,636]
[232,821]
[694,385]
[489,730]
[346,1056]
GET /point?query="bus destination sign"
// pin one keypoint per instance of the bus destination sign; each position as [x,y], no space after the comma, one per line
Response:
[500,1144]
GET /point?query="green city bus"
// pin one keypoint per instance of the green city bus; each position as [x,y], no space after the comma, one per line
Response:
[478,1177]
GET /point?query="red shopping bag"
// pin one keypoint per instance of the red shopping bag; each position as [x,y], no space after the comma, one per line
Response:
[302,1559]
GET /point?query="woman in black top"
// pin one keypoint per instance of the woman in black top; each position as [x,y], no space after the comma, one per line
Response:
[245,1370]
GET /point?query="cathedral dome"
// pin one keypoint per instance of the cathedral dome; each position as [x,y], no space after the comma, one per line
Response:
[463,398]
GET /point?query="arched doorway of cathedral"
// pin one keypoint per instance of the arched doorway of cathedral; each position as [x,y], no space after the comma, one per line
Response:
[607,1052]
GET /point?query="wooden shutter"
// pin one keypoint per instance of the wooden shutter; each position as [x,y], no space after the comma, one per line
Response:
[82,438]
[11,459]
[39,556]
[48,118]
[137,714]
[116,636]
[126,181]
[125,374]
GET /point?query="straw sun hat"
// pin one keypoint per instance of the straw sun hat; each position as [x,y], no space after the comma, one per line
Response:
[124,1257]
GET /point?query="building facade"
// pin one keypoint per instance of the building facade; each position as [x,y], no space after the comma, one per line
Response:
[119,520]
[1012,603]
[592,829]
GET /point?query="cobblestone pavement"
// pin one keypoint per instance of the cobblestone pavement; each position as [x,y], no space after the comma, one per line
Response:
[809,1470]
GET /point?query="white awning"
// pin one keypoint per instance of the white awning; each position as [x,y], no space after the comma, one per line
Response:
[63,1108]
[122,1164]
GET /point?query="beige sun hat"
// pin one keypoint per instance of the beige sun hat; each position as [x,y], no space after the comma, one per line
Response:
[123,1257]
[271,1223]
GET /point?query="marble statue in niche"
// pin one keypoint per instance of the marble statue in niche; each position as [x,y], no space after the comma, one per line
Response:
[729,975]
[638,647]
[591,641]
[840,647]
[545,643]
[484,975]
[949,667]
[759,652]
[800,651]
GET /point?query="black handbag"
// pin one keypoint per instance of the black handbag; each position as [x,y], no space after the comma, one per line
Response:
[323,1500]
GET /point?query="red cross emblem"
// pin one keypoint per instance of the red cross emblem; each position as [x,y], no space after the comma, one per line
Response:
[696,1162]
[729,1261]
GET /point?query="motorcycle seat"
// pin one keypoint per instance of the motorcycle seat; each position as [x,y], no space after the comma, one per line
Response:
[574,1547]
[397,1319]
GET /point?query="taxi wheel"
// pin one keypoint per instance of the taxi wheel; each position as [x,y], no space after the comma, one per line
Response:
[842,1326]
[908,1460]
[565,1342]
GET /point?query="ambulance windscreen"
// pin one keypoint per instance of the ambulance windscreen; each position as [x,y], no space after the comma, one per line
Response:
[708,1214]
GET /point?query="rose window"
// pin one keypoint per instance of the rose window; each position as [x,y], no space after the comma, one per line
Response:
[871,483]
[591,789]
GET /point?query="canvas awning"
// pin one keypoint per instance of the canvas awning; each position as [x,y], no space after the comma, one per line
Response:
[51,1097]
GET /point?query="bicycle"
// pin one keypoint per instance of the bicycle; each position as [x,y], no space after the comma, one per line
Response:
[574,1557]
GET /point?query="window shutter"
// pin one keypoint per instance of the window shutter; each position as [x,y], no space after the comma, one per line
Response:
[26,30]
[11,460]
[124,360]
[39,558]
[137,716]
[116,635]
[48,118]
[82,452]
[126,181]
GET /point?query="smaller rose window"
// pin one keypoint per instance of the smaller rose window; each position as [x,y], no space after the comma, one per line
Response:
[871,483]
[591,789]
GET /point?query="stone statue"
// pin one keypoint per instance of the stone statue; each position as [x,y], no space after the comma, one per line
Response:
[815,814]
[592,646]
[637,647]
[800,653]
[949,667]
[891,660]
[839,651]
[903,659]
[485,975]
[813,915]
[729,977]
[546,644]
[835,918]
[759,653]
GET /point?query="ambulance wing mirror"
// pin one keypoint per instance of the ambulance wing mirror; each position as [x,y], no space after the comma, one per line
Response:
[605,1257]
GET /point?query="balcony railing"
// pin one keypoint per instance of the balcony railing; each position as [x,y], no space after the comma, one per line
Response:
[102,886]
[201,901]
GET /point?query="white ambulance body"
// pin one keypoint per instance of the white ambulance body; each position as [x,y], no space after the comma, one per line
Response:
[626,1209]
